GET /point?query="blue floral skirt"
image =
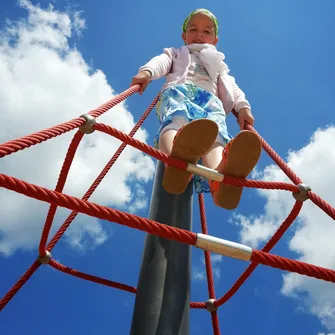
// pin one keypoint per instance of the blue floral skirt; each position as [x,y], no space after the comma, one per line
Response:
[191,103]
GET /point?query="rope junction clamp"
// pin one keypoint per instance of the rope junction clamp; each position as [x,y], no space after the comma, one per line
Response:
[46,259]
[303,192]
[210,305]
[87,127]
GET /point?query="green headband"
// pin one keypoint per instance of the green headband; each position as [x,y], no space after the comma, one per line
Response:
[203,11]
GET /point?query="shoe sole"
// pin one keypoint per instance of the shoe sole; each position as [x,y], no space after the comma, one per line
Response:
[190,144]
[243,156]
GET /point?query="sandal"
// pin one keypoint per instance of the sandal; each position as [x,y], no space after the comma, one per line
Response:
[239,158]
[191,142]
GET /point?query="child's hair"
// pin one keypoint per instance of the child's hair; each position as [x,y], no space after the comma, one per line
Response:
[203,11]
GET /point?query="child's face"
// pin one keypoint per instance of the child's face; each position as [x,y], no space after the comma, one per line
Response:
[200,30]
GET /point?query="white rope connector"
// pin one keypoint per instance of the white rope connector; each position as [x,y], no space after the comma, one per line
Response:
[303,192]
[223,247]
[87,127]
[204,172]
[210,305]
[46,259]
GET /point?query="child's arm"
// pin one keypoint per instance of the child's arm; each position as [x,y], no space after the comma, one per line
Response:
[156,68]
[241,106]
[159,66]
[239,96]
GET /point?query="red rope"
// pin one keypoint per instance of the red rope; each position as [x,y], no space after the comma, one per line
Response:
[279,161]
[266,185]
[208,263]
[56,198]
[59,188]
[215,322]
[322,204]
[293,266]
[17,286]
[10,147]
[198,305]
[267,248]
[113,102]
[141,146]
[95,210]
[94,185]
[91,278]
[183,165]
[61,182]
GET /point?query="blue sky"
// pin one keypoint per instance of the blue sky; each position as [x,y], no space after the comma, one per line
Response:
[281,54]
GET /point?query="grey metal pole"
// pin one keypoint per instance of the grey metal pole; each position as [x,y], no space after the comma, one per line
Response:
[162,303]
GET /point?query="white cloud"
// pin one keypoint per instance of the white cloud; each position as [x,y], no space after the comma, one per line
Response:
[45,81]
[254,229]
[200,274]
[314,231]
[326,334]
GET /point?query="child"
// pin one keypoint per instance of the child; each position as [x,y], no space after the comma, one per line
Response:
[192,109]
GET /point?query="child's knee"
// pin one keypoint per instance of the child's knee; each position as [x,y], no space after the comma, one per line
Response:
[176,123]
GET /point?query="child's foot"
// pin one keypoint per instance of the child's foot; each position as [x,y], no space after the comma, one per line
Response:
[239,158]
[190,143]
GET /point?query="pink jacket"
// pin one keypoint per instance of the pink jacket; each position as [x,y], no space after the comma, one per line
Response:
[174,63]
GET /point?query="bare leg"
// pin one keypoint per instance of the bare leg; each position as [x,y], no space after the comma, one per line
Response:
[166,141]
[189,145]
[213,158]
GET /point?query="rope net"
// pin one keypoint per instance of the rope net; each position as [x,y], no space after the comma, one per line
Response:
[86,124]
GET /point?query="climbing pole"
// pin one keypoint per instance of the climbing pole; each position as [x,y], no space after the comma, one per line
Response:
[86,124]
[162,303]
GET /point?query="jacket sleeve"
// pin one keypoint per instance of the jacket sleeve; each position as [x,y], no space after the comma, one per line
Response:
[159,66]
[239,97]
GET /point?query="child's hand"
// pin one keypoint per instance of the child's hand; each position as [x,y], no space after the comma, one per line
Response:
[143,79]
[244,115]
